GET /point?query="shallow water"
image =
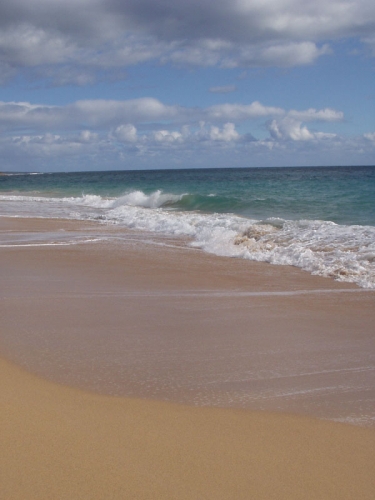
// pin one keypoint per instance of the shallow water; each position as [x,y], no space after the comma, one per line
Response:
[319,219]
[151,318]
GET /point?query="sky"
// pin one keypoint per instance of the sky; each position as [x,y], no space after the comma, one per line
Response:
[146,84]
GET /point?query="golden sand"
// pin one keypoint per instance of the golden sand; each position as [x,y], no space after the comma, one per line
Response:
[61,443]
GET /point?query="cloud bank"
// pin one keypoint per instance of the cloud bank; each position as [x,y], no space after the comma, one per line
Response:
[71,41]
[101,114]
[141,133]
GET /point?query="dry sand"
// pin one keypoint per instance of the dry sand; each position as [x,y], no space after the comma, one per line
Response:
[61,443]
[127,318]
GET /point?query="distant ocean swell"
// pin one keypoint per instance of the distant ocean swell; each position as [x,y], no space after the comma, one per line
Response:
[343,252]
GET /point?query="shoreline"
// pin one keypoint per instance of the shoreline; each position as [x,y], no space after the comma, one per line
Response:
[132,317]
[129,316]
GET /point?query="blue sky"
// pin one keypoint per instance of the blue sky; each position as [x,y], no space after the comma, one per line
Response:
[94,84]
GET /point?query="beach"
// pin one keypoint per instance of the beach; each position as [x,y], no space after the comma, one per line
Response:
[143,368]
[58,442]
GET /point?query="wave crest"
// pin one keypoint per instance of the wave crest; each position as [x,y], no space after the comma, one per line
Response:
[156,199]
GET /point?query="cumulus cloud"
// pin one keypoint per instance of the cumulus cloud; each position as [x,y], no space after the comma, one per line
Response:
[86,136]
[128,121]
[97,131]
[165,136]
[122,117]
[57,37]
[185,147]
[227,134]
[289,128]
[126,133]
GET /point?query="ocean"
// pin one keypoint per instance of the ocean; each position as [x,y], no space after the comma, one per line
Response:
[321,220]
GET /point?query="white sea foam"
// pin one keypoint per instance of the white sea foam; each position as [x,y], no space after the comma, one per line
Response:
[346,253]
[134,198]
[140,199]
[89,200]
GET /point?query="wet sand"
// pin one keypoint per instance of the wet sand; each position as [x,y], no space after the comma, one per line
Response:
[133,317]
[154,320]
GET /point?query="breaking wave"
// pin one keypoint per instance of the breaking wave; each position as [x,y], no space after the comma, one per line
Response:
[324,248]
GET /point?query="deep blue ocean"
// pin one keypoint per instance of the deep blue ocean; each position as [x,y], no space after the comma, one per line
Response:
[319,219]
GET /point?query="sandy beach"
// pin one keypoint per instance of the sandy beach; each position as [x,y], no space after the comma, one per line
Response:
[58,442]
[143,367]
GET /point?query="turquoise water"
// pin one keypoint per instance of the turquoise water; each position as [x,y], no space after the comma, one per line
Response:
[319,219]
[343,195]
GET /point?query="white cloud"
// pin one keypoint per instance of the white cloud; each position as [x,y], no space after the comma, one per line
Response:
[49,152]
[113,131]
[290,126]
[206,52]
[98,113]
[128,119]
[292,54]
[126,133]
[165,136]
[86,136]
[311,114]
[242,111]
[227,134]
[289,129]
[101,111]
